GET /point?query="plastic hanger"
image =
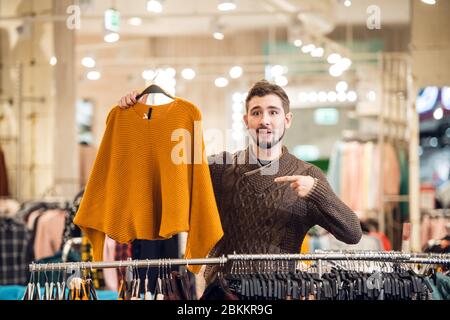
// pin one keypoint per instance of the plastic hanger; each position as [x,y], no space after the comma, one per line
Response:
[153,88]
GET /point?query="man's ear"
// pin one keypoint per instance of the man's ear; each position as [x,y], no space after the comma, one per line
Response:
[288,119]
[246,120]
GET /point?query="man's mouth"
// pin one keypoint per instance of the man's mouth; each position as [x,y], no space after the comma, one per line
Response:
[263,131]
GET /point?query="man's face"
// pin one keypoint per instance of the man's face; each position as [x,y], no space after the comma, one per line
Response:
[266,120]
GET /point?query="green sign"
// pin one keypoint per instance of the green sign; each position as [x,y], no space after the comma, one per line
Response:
[112,20]
[326,116]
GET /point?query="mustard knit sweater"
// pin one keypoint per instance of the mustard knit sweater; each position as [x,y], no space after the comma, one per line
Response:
[151,180]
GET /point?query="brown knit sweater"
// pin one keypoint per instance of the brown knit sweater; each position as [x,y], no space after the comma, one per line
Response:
[261,216]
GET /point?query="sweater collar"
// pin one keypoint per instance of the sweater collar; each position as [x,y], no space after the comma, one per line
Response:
[284,165]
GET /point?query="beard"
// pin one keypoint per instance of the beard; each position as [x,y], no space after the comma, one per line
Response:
[267,144]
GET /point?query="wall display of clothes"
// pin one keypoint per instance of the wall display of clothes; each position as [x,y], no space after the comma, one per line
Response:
[354,173]
[150,195]
[435,231]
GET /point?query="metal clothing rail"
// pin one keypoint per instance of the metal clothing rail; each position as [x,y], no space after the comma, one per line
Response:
[441,259]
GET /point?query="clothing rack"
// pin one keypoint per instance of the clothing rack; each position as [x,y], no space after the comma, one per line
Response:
[441,259]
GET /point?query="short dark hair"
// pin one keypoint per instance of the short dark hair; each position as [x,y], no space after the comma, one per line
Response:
[263,88]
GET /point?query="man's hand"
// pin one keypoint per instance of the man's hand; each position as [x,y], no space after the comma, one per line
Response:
[302,185]
[129,100]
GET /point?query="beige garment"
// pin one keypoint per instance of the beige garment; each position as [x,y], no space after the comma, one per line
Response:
[49,233]
[87,158]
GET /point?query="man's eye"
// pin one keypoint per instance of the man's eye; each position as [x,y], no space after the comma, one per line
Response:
[273,113]
[256,113]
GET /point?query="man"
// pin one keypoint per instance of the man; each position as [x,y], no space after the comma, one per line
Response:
[267,198]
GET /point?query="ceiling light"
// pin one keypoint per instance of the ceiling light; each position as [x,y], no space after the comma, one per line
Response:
[221,82]
[148,75]
[352,96]
[111,37]
[334,58]
[226,6]
[298,43]
[237,116]
[341,86]
[303,97]
[188,73]
[276,71]
[347,3]
[237,98]
[323,96]
[341,96]
[235,72]
[335,71]
[282,81]
[154,6]
[88,62]
[308,48]
[371,95]
[93,75]
[431,2]
[344,63]
[135,21]
[53,61]
[171,72]
[313,97]
[438,114]
[317,52]
[237,107]
[218,35]
[332,96]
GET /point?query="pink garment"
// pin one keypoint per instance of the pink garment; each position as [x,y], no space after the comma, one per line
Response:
[87,158]
[32,217]
[110,274]
[49,233]
[425,230]
[391,171]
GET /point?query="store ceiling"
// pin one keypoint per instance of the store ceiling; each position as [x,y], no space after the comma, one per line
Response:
[199,16]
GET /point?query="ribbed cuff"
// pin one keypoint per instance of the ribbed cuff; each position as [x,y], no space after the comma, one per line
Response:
[318,192]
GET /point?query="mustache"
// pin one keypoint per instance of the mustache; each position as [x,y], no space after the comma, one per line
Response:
[263,128]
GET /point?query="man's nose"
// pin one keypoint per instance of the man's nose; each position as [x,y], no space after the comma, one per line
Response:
[265,119]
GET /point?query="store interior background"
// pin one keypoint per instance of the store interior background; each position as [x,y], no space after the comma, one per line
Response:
[58,83]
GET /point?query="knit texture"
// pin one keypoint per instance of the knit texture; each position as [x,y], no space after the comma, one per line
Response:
[136,191]
[261,216]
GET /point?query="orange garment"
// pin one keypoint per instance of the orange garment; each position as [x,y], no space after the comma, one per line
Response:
[137,191]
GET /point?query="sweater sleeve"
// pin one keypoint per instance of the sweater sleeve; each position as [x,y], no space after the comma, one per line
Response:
[329,212]
[216,167]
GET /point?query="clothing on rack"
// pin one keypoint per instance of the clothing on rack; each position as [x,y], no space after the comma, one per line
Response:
[354,173]
[14,253]
[4,185]
[434,226]
[154,249]
[86,255]
[334,276]
[49,233]
[260,216]
[157,186]
[339,284]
